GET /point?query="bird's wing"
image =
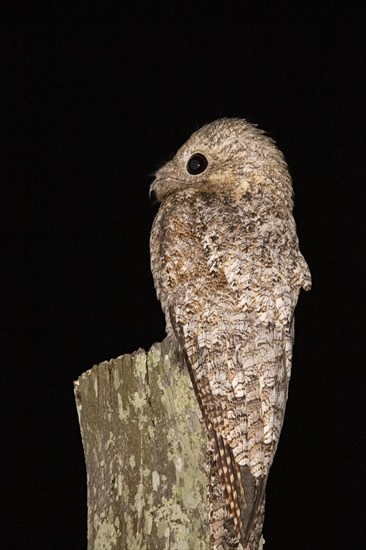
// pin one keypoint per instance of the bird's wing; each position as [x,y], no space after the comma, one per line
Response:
[228,297]
[230,304]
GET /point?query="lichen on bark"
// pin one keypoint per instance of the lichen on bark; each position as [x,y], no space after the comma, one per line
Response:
[145,450]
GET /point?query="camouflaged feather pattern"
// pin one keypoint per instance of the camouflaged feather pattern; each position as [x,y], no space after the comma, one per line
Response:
[227,271]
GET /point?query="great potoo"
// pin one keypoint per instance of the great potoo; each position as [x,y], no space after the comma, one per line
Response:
[228,271]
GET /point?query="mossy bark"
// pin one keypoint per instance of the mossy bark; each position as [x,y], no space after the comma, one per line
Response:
[145,450]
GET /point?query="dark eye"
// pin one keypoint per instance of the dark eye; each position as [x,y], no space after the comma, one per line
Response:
[197,164]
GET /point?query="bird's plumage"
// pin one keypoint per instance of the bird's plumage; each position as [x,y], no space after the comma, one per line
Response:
[227,271]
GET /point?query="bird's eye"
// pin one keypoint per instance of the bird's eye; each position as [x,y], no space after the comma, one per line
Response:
[197,164]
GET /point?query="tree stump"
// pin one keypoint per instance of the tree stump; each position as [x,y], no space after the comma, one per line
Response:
[145,450]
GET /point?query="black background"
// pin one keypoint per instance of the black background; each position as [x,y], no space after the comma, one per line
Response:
[99,94]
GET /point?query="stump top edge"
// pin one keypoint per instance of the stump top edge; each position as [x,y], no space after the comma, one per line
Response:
[156,346]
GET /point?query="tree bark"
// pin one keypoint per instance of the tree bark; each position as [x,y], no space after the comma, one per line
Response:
[145,449]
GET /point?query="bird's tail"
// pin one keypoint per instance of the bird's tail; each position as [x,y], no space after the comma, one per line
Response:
[244,493]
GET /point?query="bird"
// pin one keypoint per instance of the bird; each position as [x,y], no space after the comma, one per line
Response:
[228,270]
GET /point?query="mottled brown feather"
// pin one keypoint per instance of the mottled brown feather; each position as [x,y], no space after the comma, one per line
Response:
[227,271]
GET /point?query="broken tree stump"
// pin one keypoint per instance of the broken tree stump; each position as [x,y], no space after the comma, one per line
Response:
[145,451]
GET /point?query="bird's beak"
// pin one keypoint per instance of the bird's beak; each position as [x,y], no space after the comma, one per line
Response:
[152,194]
